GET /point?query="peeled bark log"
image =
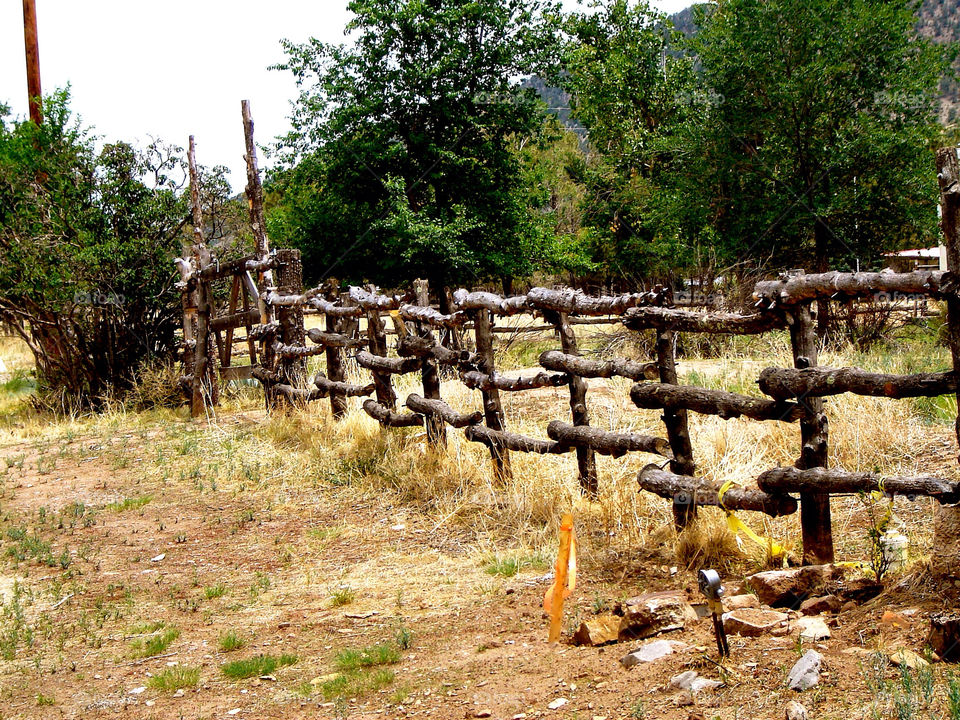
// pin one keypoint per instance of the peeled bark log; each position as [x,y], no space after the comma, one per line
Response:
[488,301]
[387,365]
[882,285]
[386,416]
[574,302]
[512,441]
[685,490]
[331,309]
[429,316]
[576,365]
[712,402]
[820,381]
[702,322]
[823,481]
[604,442]
[440,409]
[297,351]
[371,301]
[333,340]
[420,347]
[480,381]
[343,388]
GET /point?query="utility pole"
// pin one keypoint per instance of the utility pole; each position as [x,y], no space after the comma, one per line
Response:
[33,59]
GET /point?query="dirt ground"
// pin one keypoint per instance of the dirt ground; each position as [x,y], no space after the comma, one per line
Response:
[97,553]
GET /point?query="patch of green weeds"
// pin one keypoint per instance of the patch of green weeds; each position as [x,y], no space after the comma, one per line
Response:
[256,666]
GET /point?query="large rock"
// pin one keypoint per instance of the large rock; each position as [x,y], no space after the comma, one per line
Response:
[653,613]
[812,628]
[753,622]
[738,602]
[651,652]
[805,673]
[944,636]
[790,587]
[820,605]
[600,630]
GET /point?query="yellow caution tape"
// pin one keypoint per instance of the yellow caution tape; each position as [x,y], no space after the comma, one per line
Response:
[738,526]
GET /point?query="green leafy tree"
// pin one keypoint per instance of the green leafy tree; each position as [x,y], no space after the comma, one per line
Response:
[402,160]
[85,253]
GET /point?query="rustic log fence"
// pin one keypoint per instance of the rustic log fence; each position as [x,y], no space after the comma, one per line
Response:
[274,306]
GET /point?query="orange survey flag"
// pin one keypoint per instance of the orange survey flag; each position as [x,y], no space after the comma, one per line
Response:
[565,577]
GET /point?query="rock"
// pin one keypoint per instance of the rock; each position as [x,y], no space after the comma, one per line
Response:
[701,684]
[790,587]
[907,658]
[944,636]
[848,606]
[738,602]
[683,699]
[482,714]
[683,680]
[557,704]
[600,630]
[820,605]
[651,652]
[796,711]
[946,542]
[812,628]
[654,613]
[859,590]
[894,620]
[752,622]
[805,673]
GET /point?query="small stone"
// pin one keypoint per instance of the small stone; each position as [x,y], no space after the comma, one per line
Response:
[600,630]
[700,684]
[796,711]
[137,690]
[651,652]
[150,703]
[683,680]
[812,628]
[894,620]
[848,606]
[753,622]
[158,558]
[683,699]
[739,602]
[907,658]
[482,714]
[820,605]
[557,704]
[805,673]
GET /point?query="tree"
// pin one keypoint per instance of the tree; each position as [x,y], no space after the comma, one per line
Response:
[817,153]
[85,253]
[401,162]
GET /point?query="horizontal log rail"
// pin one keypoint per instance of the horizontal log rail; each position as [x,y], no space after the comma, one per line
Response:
[298,395]
[785,383]
[328,386]
[686,490]
[479,381]
[432,317]
[724,404]
[370,301]
[616,444]
[333,340]
[513,441]
[836,481]
[235,320]
[576,365]
[574,302]
[386,416]
[297,351]
[702,322]
[217,270]
[387,365]
[419,347]
[261,332]
[882,285]
[480,300]
[440,409]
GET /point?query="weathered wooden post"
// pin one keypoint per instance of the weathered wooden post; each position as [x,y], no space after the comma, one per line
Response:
[946,532]
[815,520]
[483,321]
[32,47]
[290,319]
[338,401]
[675,421]
[436,430]
[377,339]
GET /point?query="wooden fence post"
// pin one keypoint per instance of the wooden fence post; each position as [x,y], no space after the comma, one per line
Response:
[436,430]
[815,518]
[675,421]
[377,338]
[483,321]
[338,401]
[290,319]
[946,525]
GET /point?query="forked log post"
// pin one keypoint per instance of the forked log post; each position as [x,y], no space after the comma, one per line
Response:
[511,441]
[334,357]
[605,442]
[675,422]
[575,365]
[377,342]
[677,320]
[490,392]
[387,365]
[586,462]
[815,521]
[429,371]
[205,376]
[836,481]
[387,417]
[883,286]
[686,491]
[785,383]
[481,381]
[574,302]
[712,402]
[338,388]
[442,411]
[290,280]
[946,529]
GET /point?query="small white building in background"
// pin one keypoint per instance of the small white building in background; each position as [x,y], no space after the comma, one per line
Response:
[932,258]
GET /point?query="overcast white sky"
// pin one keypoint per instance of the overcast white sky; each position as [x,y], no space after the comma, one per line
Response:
[169,69]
